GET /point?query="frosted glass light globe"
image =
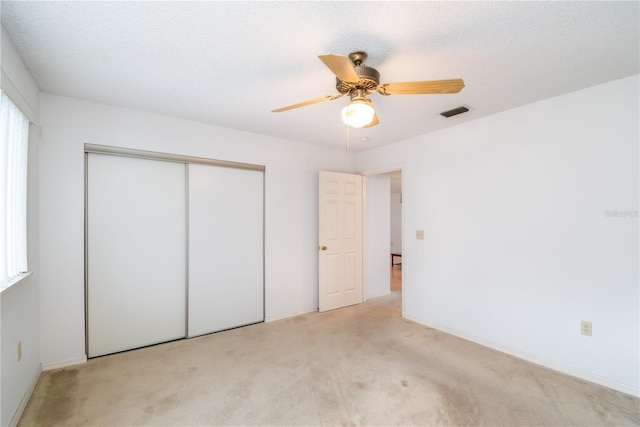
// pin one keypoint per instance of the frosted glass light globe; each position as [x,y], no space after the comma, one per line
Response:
[357,114]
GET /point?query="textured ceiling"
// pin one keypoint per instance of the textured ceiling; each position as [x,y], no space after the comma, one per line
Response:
[231,63]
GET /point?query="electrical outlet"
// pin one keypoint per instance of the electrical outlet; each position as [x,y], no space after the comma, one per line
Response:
[420,234]
[19,350]
[585,328]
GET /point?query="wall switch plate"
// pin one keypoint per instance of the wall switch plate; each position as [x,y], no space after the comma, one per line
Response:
[19,350]
[420,234]
[586,328]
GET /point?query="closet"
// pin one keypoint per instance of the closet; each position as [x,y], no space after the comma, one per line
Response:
[174,247]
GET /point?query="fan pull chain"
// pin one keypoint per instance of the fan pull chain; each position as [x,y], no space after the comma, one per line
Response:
[347,143]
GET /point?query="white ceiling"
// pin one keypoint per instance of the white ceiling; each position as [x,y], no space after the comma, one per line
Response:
[231,63]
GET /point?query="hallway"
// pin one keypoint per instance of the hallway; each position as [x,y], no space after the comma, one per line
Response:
[396,277]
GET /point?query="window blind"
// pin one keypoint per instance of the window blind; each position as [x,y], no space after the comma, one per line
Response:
[14,131]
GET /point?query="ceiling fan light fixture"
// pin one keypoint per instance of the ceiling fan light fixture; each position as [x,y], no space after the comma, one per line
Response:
[358,113]
[357,80]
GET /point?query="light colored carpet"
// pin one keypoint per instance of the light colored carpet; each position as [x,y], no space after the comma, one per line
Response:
[361,365]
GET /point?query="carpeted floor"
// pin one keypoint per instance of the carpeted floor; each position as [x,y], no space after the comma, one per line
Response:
[361,365]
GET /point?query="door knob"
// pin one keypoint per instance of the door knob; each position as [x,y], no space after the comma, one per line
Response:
[324,248]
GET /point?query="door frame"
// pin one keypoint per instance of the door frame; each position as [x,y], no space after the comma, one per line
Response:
[168,157]
[376,172]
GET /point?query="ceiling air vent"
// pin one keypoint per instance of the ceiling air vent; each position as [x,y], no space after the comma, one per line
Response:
[455,111]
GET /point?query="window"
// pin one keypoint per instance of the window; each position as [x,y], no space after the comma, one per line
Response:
[14,131]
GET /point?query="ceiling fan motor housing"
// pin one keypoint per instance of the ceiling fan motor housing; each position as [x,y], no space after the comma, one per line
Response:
[369,80]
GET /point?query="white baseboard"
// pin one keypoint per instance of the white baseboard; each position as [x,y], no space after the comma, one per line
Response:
[378,295]
[25,398]
[587,376]
[274,319]
[64,363]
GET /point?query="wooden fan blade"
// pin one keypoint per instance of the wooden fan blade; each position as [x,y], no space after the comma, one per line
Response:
[309,102]
[374,122]
[425,87]
[341,66]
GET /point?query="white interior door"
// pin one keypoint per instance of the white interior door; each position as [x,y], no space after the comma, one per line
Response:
[226,274]
[340,240]
[136,246]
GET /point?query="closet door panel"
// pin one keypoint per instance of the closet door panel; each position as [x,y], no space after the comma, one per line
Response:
[136,252]
[226,275]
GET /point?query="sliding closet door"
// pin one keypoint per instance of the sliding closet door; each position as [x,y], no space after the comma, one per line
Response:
[226,285]
[136,246]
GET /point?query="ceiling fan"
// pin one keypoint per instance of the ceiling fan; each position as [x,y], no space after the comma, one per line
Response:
[357,80]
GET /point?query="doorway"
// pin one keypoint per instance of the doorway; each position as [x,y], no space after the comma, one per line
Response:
[395,226]
[383,248]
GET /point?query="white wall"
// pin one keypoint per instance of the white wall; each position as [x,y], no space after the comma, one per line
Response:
[19,304]
[520,244]
[291,201]
[377,262]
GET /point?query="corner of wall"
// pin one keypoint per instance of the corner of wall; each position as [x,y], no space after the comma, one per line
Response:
[16,81]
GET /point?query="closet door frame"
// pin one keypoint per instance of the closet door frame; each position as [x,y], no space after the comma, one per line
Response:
[178,158]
